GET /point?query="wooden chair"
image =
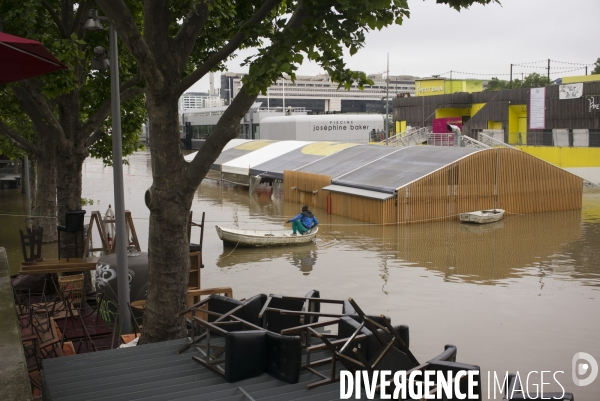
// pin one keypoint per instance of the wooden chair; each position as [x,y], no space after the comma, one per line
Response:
[32,242]
[196,247]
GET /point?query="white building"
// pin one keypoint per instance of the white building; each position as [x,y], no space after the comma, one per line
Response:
[319,94]
[356,128]
[197,125]
[198,100]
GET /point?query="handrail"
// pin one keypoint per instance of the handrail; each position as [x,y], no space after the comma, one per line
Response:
[473,143]
[493,142]
[404,139]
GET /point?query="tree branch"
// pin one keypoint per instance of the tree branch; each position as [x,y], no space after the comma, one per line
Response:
[188,33]
[30,107]
[157,18]
[66,10]
[228,49]
[56,19]
[93,123]
[226,129]
[18,140]
[45,111]
[93,138]
[133,81]
[80,18]
[120,16]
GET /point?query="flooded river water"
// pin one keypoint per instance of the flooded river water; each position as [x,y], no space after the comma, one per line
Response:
[518,295]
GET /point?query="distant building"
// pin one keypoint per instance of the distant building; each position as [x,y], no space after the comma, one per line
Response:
[319,94]
[197,125]
[356,128]
[442,86]
[198,100]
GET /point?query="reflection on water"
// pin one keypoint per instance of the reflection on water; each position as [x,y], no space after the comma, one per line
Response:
[304,257]
[474,253]
[521,294]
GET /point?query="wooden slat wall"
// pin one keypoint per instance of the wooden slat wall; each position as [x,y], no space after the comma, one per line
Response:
[493,178]
[304,184]
[527,184]
[359,208]
[476,182]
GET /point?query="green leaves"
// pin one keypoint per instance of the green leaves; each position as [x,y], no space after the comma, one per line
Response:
[76,94]
[596,69]
[458,4]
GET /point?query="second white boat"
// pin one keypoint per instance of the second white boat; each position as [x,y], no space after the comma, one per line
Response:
[482,216]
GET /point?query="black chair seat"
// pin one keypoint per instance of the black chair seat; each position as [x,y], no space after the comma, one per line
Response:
[74,220]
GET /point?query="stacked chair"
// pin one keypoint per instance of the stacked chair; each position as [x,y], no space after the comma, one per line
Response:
[273,334]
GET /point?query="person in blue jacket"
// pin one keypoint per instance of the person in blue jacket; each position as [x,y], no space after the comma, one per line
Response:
[303,222]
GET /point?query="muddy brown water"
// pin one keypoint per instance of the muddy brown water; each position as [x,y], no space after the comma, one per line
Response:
[518,295]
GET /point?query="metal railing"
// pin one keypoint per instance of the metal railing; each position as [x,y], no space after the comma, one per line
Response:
[414,137]
[474,143]
[492,142]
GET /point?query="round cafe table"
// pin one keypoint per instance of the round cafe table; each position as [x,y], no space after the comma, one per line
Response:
[106,278]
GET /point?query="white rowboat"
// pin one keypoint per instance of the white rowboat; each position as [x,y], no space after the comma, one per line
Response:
[256,238]
[482,216]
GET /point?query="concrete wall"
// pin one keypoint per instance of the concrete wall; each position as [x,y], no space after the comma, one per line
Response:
[14,380]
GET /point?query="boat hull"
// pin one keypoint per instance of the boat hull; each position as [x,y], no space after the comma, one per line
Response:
[257,238]
[482,216]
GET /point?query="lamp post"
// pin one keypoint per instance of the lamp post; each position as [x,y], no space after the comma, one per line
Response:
[387,101]
[100,62]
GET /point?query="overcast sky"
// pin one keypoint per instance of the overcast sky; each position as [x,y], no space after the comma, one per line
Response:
[481,40]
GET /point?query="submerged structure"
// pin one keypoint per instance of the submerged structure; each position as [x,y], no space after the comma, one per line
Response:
[390,185]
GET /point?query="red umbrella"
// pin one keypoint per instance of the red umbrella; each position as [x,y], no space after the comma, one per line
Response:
[22,58]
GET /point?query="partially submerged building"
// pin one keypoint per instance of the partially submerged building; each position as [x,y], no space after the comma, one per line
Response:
[390,185]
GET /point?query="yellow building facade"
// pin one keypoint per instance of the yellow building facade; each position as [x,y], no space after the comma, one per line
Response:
[432,87]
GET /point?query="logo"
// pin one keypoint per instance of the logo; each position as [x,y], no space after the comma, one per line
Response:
[580,369]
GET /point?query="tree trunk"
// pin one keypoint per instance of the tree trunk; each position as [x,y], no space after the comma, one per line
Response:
[44,196]
[68,182]
[68,193]
[169,201]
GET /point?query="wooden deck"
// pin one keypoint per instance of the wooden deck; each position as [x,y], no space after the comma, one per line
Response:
[59,266]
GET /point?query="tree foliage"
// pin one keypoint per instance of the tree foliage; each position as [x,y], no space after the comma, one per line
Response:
[57,24]
[496,84]
[179,43]
[533,80]
[596,69]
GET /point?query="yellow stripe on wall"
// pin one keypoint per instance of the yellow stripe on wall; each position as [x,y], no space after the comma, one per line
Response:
[565,157]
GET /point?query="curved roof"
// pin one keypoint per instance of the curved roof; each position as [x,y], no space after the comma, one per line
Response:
[241,165]
[376,168]
[398,169]
[298,158]
[348,160]
[234,149]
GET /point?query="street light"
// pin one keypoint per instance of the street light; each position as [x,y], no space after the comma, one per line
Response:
[100,62]
[387,100]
